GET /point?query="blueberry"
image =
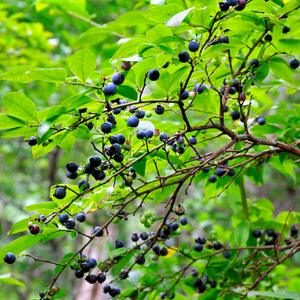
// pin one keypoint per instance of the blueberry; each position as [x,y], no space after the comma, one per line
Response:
[123,274]
[41,294]
[219,172]
[223,40]
[134,237]
[106,127]
[32,141]
[202,288]
[194,273]
[155,249]
[232,90]
[72,175]
[123,102]
[81,217]
[271,233]
[119,157]
[82,110]
[89,125]
[261,120]
[206,170]
[242,4]
[198,282]
[98,230]
[268,38]
[144,236]
[79,273]
[294,231]
[285,29]
[180,140]
[153,74]
[91,278]
[10,258]
[198,87]
[140,259]
[92,262]
[119,244]
[254,62]
[70,224]
[192,140]
[118,78]
[166,65]
[133,121]
[113,292]
[98,175]
[256,234]
[140,113]
[183,221]
[201,240]
[116,111]
[132,109]
[212,178]
[213,284]
[159,109]
[226,108]
[88,169]
[85,267]
[171,142]
[198,247]
[217,246]
[63,218]
[83,182]
[122,138]
[116,148]
[183,56]
[110,118]
[72,167]
[114,139]
[184,95]
[235,115]
[101,278]
[125,65]
[163,136]
[163,251]
[224,6]
[95,161]
[231,173]
[175,226]
[110,89]
[60,193]
[294,63]
[140,134]
[205,277]
[193,46]
[106,289]
[149,133]
[226,254]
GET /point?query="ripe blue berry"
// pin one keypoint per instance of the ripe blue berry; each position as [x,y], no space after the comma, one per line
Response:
[232,2]
[98,175]
[119,157]
[91,278]
[198,282]
[194,273]
[134,237]
[83,182]
[149,133]
[92,262]
[206,170]
[256,233]
[231,173]
[183,56]
[116,111]
[32,141]
[224,6]
[140,134]
[72,167]
[192,140]
[163,136]
[198,87]
[201,240]
[153,74]
[144,236]
[82,110]
[98,230]
[226,255]
[235,115]
[219,172]
[268,38]
[285,29]
[183,221]
[254,62]
[159,109]
[106,127]
[294,63]
[193,46]
[133,121]
[85,267]
[213,284]
[140,113]
[10,258]
[95,161]
[122,138]
[110,89]
[90,125]
[166,65]
[119,244]
[60,193]
[118,78]
[261,120]
[175,226]
[101,278]
[106,289]
[184,95]
[123,102]
[294,231]
[198,247]
[217,246]
[81,217]
[72,175]
[140,259]
[70,224]
[79,273]
[88,169]
[163,251]
[63,218]
[212,178]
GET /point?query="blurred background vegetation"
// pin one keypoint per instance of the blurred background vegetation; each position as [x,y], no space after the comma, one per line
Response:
[45,36]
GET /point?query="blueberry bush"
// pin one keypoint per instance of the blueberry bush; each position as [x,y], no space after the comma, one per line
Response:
[167,111]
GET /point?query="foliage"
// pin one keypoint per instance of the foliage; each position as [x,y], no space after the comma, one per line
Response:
[55,87]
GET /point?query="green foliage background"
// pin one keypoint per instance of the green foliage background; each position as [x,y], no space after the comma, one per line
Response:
[45,34]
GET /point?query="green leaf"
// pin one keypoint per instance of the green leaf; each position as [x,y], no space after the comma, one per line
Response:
[68,142]
[278,2]
[176,20]
[116,252]
[164,80]
[93,36]
[45,125]
[162,13]
[50,75]
[20,244]
[281,70]
[34,207]
[6,279]
[19,226]
[297,109]
[285,295]
[19,131]
[128,48]
[7,121]
[18,74]
[250,16]
[60,294]
[39,150]
[242,232]
[18,105]
[127,91]
[82,64]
